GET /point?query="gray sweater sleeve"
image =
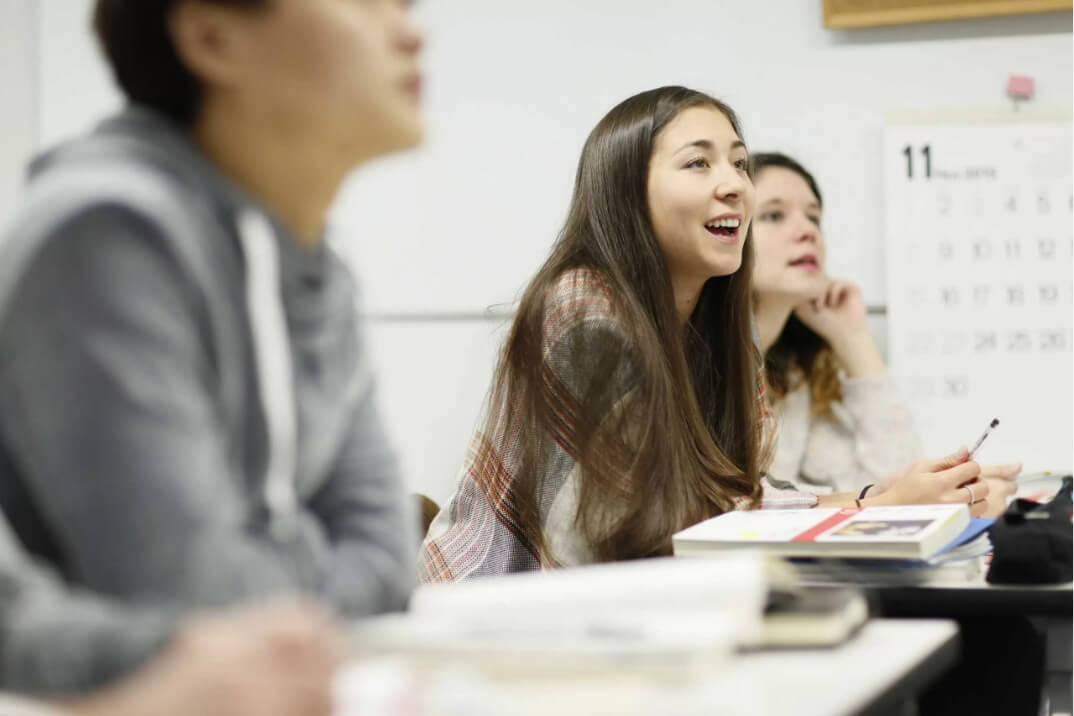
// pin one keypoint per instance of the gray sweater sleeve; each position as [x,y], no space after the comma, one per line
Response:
[56,641]
[361,507]
[109,412]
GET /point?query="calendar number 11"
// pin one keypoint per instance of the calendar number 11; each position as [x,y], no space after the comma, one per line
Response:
[926,152]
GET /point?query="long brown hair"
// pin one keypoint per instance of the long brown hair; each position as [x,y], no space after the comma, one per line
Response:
[687,440]
[799,354]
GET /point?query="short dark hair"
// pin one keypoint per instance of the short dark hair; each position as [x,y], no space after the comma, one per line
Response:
[136,41]
[764,160]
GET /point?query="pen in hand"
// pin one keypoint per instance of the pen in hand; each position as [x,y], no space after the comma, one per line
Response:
[976,445]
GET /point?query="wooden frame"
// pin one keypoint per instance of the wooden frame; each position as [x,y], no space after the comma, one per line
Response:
[847,14]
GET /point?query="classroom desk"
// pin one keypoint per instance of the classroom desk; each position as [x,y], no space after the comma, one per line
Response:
[1049,607]
[885,666]
[971,599]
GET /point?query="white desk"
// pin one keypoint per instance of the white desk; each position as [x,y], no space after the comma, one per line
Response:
[887,663]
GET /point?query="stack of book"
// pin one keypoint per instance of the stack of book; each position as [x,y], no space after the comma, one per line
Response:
[906,545]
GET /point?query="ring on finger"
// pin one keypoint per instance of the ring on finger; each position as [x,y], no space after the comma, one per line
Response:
[973,497]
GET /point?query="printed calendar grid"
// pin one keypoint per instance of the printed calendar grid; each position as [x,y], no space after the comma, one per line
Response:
[979,259]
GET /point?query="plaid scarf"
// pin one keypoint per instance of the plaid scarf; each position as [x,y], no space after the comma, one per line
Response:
[478,532]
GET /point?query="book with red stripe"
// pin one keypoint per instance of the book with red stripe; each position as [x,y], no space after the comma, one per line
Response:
[904,532]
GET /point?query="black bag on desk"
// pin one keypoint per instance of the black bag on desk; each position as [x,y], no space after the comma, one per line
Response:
[1031,542]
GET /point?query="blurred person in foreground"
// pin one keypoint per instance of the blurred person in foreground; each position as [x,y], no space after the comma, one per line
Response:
[84,655]
[189,420]
[189,417]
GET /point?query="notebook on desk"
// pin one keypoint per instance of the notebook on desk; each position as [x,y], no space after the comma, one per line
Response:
[657,615]
[810,617]
[593,644]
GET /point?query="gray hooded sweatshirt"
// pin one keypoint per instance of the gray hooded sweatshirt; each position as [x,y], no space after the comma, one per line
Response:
[187,413]
[56,641]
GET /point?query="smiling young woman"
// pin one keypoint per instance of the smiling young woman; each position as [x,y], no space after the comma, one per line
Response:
[625,402]
[628,401]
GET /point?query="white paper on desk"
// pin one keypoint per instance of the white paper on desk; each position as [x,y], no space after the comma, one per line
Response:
[390,687]
[735,585]
[652,644]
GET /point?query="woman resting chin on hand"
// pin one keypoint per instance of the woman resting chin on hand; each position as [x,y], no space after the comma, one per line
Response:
[843,424]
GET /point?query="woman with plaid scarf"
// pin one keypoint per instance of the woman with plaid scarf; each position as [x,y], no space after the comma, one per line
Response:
[628,401]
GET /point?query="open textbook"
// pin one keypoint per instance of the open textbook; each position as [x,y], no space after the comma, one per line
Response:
[655,616]
[658,615]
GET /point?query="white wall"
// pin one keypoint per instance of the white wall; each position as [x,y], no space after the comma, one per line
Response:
[434,378]
[75,87]
[440,235]
[515,88]
[18,81]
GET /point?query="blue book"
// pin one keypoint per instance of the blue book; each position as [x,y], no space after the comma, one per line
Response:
[976,527]
[959,561]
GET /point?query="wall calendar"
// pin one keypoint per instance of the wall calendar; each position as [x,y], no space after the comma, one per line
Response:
[979,281]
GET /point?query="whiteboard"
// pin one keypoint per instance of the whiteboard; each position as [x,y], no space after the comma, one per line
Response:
[980,289]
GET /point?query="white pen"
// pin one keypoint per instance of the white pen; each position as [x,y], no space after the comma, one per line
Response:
[994,423]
